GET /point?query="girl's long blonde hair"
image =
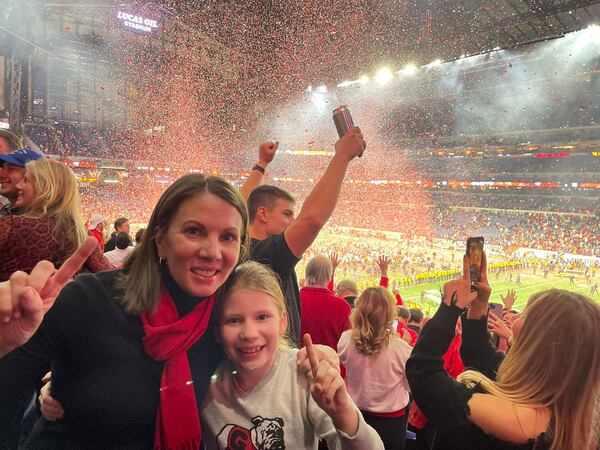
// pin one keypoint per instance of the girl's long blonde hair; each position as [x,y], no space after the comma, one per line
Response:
[373,320]
[554,363]
[56,197]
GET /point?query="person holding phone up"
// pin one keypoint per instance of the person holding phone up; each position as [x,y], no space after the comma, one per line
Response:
[541,395]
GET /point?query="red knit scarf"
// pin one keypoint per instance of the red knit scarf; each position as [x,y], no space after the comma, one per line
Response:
[168,339]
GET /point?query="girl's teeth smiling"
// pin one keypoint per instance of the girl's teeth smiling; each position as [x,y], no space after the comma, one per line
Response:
[254,349]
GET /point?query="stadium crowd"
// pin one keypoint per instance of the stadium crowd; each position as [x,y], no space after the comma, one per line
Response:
[177,342]
[414,213]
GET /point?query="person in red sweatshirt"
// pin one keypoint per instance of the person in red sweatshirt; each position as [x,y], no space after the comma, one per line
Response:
[324,316]
[402,329]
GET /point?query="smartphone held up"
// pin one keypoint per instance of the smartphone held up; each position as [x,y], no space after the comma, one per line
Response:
[496,309]
[343,121]
[475,255]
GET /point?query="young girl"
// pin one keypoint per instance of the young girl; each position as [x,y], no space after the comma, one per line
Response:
[258,398]
[374,357]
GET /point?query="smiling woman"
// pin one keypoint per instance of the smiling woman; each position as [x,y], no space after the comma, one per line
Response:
[132,351]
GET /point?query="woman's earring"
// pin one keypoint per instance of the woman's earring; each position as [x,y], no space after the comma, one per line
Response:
[161,261]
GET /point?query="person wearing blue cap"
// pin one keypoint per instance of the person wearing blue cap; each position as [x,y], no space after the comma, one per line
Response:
[12,171]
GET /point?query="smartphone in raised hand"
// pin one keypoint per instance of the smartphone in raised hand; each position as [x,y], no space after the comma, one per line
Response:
[475,254]
[496,309]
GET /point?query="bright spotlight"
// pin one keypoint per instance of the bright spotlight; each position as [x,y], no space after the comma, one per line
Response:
[322,89]
[436,62]
[364,79]
[383,76]
[409,69]
[345,84]
[319,102]
[593,33]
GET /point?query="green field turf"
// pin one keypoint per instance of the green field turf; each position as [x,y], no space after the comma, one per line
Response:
[529,284]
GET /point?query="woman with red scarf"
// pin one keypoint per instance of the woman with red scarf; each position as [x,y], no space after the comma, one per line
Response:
[132,351]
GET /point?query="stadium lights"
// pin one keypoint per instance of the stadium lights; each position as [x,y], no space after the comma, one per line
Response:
[383,76]
[593,33]
[409,69]
[362,80]
[319,101]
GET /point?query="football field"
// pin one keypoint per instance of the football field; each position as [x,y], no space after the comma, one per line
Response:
[529,285]
[426,296]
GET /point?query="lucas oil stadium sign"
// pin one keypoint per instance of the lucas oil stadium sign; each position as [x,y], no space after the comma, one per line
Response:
[138,23]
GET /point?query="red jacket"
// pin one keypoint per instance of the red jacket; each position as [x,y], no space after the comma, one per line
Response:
[324,316]
[413,334]
[384,282]
[99,238]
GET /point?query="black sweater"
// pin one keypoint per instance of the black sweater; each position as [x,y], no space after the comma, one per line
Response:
[107,384]
[444,400]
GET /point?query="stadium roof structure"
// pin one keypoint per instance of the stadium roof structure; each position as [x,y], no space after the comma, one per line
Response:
[255,54]
[327,42]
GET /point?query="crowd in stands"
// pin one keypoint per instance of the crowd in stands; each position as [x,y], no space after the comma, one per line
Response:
[63,139]
[186,345]
[414,213]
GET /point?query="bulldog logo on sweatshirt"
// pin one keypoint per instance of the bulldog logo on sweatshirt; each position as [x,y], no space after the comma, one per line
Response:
[266,434]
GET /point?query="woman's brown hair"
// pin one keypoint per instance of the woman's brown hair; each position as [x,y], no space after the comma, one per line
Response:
[140,281]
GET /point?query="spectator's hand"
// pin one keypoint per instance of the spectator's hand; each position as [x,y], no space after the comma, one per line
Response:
[329,391]
[51,409]
[509,299]
[498,327]
[406,337]
[509,319]
[383,262]
[458,292]
[266,153]
[484,291]
[323,353]
[335,260]
[25,299]
[351,144]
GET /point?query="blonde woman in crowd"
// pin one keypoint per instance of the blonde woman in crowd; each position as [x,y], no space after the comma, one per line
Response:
[375,357]
[541,395]
[49,225]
